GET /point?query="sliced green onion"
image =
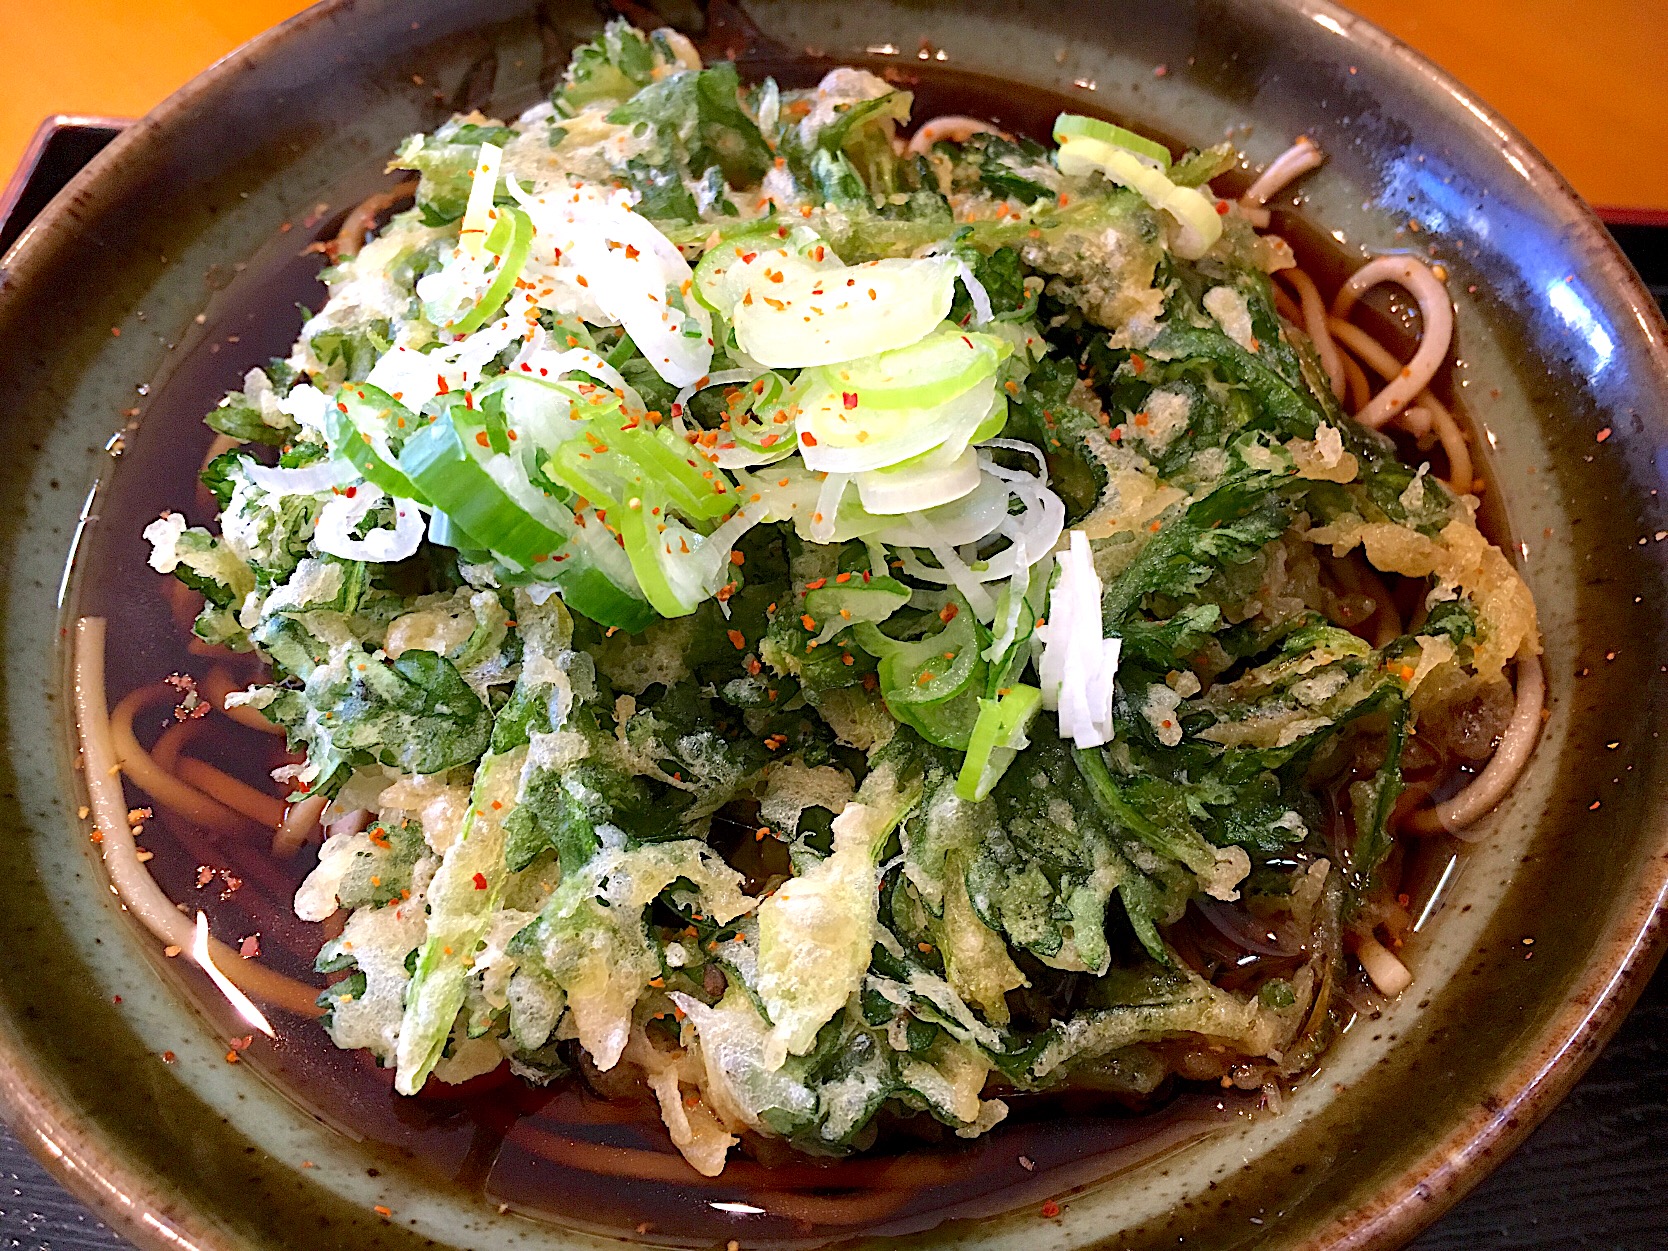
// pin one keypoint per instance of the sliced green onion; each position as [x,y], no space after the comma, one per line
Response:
[838,433]
[575,467]
[995,421]
[591,593]
[453,480]
[1075,126]
[513,257]
[922,375]
[703,494]
[1200,223]
[998,736]
[643,544]
[920,483]
[729,266]
[496,423]
[359,434]
[447,533]
[822,317]
[932,683]
[841,605]
[759,438]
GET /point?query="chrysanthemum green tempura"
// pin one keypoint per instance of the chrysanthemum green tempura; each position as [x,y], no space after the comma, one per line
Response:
[830,626]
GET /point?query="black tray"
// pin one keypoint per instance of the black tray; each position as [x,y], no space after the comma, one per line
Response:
[1591,1176]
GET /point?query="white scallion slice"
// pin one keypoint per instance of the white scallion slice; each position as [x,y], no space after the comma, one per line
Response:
[1200,225]
[933,371]
[477,214]
[838,434]
[913,487]
[1078,662]
[729,267]
[827,316]
[307,480]
[1077,126]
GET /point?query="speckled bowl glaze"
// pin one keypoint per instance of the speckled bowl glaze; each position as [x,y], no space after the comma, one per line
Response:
[1545,934]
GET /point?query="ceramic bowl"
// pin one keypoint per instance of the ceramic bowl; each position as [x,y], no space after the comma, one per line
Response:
[147,288]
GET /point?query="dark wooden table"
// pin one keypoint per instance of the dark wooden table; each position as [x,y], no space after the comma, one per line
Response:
[1595,1175]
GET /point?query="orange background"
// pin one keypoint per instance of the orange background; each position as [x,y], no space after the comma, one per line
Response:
[1584,79]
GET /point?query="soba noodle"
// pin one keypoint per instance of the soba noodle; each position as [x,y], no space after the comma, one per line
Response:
[130,879]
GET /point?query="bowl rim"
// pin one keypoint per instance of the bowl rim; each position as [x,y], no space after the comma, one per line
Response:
[78,1154]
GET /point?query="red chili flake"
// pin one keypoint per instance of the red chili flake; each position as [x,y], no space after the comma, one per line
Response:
[382,1211]
[947,614]
[1050,1209]
[480,881]
[1137,364]
[481,438]
[842,578]
[250,948]
[849,398]
[808,621]
[631,253]
[1603,434]
[738,639]
[807,438]
[817,585]
[440,381]
[1221,208]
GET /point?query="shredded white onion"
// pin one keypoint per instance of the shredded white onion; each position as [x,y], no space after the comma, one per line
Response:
[307,480]
[982,311]
[537,362]
[1008,612]
[953,127]
[334,534]
[1031,533]
[1078,662]
[598,259]
[723,378]
[828,507]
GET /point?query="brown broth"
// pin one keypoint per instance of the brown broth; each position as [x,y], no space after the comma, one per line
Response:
[494,1137]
